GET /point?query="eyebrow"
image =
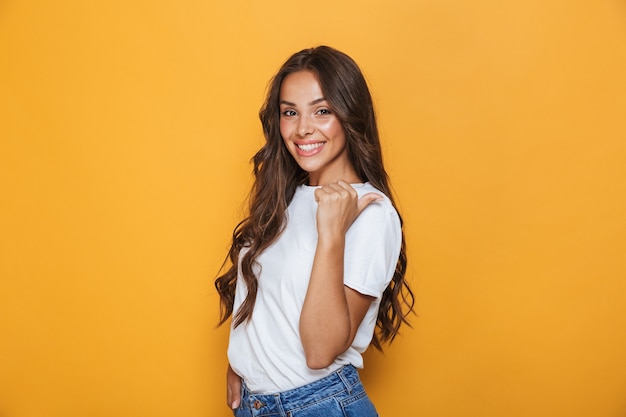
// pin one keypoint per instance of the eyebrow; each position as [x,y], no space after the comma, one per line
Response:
[313,103]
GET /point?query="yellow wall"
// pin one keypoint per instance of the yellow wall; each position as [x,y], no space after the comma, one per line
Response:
[125,133]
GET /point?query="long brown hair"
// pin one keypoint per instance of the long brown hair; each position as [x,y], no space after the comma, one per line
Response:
[277,176]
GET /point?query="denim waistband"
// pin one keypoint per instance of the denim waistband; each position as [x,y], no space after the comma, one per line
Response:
[342,380]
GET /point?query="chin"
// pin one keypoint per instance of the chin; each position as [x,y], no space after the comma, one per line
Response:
[309,169]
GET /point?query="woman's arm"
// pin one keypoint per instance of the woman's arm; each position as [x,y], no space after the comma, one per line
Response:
[332,312]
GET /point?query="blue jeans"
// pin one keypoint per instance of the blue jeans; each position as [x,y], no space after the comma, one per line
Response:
[340,394]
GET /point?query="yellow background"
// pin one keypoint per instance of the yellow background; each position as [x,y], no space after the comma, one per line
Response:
[125,133]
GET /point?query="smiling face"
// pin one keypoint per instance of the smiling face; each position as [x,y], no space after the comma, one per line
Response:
[312,133]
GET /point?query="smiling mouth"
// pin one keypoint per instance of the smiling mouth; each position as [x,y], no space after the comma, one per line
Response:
[308,147]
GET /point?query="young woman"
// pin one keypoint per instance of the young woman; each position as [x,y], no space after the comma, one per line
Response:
[318,265]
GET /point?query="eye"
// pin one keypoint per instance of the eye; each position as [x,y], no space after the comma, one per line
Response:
[289,113]
[324,111]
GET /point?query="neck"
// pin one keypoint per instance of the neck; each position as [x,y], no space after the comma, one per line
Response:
[350,179]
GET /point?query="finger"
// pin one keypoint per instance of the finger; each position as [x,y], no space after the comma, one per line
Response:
[332,186]
[326,192]
[236,396]
[344,190]
[229,393]
[318,194]
[367,199]
[344,185]
[233,388]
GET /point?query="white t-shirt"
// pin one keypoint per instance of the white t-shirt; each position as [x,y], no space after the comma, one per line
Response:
[267,351]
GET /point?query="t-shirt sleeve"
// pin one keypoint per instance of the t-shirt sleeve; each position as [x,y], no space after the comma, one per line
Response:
[372,249]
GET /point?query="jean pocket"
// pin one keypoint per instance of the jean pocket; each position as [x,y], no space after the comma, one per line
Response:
[242,412]
[328,407]
[358,405]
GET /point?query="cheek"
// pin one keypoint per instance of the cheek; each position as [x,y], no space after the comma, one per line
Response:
[284,129]
[284,134]
[333,129]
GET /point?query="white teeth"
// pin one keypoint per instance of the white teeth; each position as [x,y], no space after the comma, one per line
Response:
[310,146]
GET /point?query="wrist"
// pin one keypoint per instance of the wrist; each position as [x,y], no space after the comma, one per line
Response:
[331,241]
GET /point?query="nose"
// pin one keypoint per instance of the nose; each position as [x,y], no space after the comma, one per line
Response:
[305,126]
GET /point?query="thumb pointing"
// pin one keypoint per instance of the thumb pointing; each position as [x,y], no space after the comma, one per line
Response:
[367,199]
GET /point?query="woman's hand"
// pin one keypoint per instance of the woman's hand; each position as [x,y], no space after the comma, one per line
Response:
[233,388]
[338,205]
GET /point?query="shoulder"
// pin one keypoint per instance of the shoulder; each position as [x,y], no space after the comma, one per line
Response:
[379,217]
[365,188]
[382,207]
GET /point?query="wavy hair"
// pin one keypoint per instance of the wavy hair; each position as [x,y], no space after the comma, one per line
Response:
[277,176]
